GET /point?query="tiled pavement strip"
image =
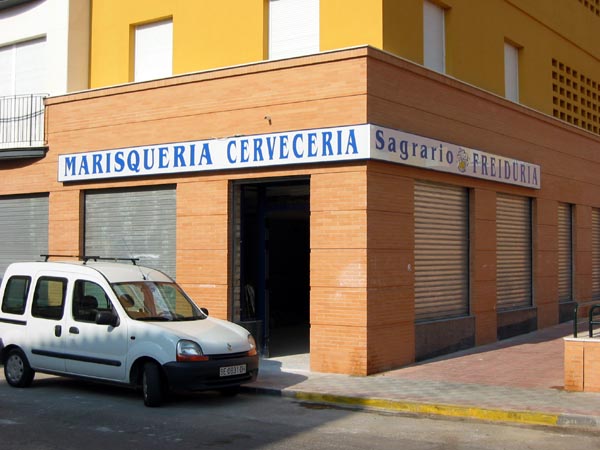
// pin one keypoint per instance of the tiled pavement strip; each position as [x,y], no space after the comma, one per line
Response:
[517,380]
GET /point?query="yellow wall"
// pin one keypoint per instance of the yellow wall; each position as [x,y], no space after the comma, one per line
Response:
[348,23]
[206,34]
[218,33]
[403,28]
[392,25]
[476,32]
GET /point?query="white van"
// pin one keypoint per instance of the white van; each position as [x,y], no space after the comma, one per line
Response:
[117,323]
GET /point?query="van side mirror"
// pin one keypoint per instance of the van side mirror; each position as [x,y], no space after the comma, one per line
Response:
[204,310]
[107,318]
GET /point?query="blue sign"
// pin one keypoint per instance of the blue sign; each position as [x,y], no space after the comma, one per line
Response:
[324,145]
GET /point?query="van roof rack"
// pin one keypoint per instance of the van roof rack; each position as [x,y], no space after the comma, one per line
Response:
[109,258]
[48,256]
[86,258]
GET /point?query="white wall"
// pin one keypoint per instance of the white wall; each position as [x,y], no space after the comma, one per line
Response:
[65,24]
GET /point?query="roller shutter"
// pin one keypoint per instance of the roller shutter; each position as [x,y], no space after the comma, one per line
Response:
[596,254]
[441,251]
[514,268]
[23,68]
[293,28]
[23,229]
[153,51]
[565,253]
[137,223]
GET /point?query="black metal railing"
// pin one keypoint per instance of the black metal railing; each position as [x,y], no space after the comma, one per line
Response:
[591,321]
[22,121]
[575,319]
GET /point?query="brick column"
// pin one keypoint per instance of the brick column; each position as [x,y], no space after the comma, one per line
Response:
[338,271]
[390,283]
[202,243]
[65,222]
[545,261]
[483,265]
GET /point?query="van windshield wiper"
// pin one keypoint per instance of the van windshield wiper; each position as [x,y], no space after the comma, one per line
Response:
[154,319]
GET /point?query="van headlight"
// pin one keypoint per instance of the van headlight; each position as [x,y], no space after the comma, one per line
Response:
[190,351]
[252,342]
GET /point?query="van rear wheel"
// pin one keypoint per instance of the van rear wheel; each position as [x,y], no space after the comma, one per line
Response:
[152,385]
[17,371]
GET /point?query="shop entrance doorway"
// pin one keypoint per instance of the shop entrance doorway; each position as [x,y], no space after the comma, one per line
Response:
[274,264]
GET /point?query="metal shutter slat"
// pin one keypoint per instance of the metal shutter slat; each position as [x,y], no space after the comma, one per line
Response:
[441,251]
[514,268]
[293,28]
[31,66]
[595,253]
[565,253]
[138,223]
[153,51]
[23,229]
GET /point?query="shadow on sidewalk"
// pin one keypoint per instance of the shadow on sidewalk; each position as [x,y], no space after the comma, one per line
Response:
[533,360]
[272,376]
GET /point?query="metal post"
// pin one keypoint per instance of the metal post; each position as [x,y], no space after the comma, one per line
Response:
[575,319]
[30,119]
[591,321]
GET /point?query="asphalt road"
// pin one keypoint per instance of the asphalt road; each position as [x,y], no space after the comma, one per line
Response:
[57,413]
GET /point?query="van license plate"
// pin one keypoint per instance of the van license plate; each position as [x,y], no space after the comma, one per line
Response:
[232,370]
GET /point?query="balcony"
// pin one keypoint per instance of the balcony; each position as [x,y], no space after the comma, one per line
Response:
[22,126]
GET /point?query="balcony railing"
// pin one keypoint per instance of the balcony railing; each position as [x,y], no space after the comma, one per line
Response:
[22,121]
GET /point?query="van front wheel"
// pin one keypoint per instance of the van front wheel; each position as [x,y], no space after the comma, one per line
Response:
[152,385]
[17,371]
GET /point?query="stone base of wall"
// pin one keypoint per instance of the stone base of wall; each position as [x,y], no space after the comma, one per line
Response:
[582,364]
[444,336]
[516,322]
[566,311]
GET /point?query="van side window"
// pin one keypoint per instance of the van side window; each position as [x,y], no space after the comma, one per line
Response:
[49,298]
[88,299]
[15,295]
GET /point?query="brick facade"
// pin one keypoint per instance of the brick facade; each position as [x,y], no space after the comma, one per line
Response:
[361,213]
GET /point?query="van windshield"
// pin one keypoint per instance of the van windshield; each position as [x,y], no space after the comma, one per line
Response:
[156,301]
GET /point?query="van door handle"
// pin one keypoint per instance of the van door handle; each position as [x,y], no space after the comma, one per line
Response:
[57,330]
[74,330]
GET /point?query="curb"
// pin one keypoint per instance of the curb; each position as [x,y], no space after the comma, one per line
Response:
[455,411]
[530,418]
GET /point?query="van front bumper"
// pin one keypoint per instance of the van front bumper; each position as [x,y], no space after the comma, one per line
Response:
[207,375]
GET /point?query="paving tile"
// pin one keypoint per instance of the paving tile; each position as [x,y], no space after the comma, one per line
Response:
[525,373]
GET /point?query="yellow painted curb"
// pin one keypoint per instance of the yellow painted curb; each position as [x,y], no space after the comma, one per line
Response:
[525,417]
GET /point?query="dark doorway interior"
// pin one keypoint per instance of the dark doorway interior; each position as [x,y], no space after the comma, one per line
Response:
[275,264]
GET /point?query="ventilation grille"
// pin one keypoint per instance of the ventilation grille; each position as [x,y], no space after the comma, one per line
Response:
[576,97]
[592,5]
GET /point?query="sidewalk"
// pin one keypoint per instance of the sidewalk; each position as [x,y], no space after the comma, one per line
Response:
[518,380]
